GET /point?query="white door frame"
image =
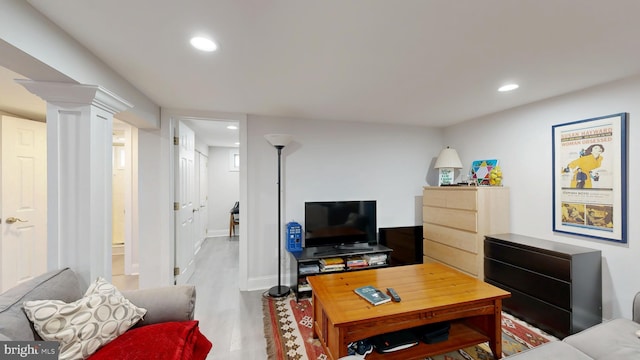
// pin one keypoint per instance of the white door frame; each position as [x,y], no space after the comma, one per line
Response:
[172,117]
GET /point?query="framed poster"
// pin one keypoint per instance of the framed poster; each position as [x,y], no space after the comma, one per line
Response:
[590,177]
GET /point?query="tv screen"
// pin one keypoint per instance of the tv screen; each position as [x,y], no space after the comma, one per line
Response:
[340,223]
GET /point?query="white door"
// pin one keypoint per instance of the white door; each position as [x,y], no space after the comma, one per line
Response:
[186,200]
[203,196]
[197,220]
[23,238]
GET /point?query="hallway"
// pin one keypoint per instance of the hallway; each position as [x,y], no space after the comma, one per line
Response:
[231,319]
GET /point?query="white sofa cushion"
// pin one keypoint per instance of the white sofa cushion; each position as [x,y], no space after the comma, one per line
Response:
[60,284]
[551,350]
[615,339]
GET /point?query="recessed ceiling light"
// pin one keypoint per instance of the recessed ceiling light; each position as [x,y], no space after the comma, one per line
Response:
[508,87]
[232,127]
[203,44]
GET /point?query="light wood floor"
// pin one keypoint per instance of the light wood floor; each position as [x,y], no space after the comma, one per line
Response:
[231,319]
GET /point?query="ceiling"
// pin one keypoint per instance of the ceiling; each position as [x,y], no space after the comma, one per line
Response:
[422,62]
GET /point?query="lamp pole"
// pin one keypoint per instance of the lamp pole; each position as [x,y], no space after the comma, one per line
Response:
[279,141]
[279,291]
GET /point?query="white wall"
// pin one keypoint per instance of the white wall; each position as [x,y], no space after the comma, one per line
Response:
[521,140]
[155,195]
[224,190]
[331,161]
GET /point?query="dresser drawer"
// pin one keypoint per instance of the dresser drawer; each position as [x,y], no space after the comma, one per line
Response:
[547,317]
[459,219]
[535,261]
[464,240]
[547,289]
[453,199]
[462,260]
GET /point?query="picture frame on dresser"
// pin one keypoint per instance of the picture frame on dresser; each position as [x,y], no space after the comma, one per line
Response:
[590,177]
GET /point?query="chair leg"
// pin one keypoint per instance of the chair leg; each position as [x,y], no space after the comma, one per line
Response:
[231,225]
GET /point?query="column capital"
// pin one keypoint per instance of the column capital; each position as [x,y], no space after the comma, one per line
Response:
[65,94]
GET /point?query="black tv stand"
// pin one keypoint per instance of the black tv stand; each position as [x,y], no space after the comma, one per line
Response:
[308,262]
[341,249]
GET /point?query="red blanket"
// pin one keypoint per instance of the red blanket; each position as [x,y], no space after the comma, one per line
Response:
[166,341]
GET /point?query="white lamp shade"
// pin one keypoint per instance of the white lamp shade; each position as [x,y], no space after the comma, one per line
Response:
[448,158]
[279,139]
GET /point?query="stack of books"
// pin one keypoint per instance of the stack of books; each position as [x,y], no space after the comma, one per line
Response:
[331,264]
[357,262]
[303,285]
[376,259]
[306,269]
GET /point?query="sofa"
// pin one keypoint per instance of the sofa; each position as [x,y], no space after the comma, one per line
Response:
[160,325]
[616,339]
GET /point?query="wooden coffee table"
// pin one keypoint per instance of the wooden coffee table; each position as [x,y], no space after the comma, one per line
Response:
[430,293]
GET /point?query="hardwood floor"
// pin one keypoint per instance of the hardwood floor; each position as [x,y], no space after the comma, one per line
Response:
[230,318]
[118,278]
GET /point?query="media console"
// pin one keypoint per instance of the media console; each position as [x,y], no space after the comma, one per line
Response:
[325,260]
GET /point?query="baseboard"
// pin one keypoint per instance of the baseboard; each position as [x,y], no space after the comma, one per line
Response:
[117,249]
[218,233]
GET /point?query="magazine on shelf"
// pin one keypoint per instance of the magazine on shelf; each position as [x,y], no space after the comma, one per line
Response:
[372,295]
[332,261]
[376,259]
[357,262]
[309,269]
[330,268]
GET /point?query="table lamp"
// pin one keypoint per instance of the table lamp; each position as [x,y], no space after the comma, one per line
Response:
[447,162]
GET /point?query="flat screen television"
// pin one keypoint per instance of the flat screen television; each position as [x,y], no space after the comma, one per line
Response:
[340,225]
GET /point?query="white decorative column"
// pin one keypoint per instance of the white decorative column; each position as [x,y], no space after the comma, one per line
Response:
[79,174]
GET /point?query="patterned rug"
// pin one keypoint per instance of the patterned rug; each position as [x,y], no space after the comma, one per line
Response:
[287,329]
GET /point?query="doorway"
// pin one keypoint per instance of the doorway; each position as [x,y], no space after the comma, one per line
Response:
[214,181]
[124,268]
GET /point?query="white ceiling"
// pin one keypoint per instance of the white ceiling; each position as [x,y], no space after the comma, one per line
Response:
[423,62]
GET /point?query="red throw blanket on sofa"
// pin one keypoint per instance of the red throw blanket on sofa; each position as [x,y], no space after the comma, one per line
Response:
[170,341]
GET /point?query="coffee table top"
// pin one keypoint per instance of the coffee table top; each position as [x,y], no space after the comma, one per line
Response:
[422,287]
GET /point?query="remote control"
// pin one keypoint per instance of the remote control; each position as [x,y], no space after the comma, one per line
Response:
[394,295]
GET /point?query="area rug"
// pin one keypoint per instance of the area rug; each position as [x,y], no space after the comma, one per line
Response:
[287,329]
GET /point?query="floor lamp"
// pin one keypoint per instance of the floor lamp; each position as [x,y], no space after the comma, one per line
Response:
[279,141]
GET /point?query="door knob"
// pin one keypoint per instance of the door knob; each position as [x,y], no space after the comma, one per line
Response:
[11,220]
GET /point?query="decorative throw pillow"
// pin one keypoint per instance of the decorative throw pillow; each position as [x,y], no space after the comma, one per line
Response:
[85,325]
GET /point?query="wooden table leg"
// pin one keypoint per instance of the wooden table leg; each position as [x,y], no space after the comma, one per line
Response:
[495,330]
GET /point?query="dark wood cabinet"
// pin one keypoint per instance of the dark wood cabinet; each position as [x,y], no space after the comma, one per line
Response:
[554,286]
[406,242]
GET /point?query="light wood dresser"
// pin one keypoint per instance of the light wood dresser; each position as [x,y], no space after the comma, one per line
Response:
[456,220]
